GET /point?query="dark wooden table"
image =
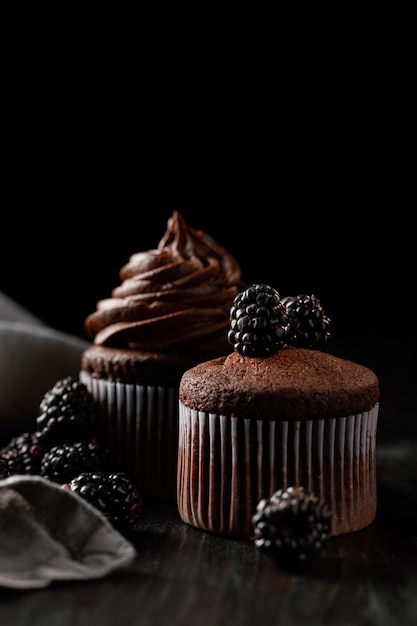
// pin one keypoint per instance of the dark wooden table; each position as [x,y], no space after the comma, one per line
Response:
[187,577]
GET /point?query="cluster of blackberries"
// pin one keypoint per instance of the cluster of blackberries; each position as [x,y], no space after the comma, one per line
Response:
[261,321]
[293,526]
[64,449]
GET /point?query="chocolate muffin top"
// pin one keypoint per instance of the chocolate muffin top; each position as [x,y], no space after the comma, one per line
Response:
[293,384]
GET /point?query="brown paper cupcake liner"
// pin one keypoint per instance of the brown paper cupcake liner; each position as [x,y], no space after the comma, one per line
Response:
[140,425]
[227,465]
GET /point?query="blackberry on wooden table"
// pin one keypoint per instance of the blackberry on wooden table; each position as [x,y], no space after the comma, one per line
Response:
[114,495]
[23,454]
[309,326]
[67,413]
[65,461]
[258,321]
[292,525]
[4,470]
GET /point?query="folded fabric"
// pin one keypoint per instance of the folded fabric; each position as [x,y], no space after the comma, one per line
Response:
[48,533]
[33,357]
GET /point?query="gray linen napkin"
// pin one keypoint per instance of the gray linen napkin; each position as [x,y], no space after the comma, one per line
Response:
[48,533]
[33,357]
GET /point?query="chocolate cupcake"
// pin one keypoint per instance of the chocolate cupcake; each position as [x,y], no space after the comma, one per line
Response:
[170,312]
[272,415]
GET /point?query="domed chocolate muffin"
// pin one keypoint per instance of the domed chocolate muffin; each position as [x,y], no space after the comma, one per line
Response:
[250,425]
[170,312]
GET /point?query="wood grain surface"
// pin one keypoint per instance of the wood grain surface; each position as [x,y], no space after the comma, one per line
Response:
[185,577]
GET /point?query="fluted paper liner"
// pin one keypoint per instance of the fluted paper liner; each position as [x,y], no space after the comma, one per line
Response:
[140,425]
[226,465]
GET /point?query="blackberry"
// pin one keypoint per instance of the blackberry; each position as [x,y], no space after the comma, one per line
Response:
[4,470]
[23,454]
[292,525]
[67,413]
[258,322]
[65,461]
[113,495]
[309,326]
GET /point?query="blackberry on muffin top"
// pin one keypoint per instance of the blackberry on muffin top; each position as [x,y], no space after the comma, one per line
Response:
[308,324]
[258,321]
[261,322]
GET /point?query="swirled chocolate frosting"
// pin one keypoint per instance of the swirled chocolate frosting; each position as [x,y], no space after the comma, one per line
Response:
[177,295]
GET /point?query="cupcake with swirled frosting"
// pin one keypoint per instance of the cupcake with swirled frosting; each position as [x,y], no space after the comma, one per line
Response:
[169,313]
